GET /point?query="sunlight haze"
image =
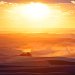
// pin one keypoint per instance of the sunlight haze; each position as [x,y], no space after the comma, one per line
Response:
[35,17]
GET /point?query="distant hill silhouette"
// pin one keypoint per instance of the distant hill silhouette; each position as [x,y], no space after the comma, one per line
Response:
[25,54]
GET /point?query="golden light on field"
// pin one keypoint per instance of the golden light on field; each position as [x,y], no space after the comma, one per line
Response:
[25,50]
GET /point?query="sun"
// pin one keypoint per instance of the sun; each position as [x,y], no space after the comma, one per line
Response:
[37,10]
[34,17]
[32,10]
[31,16]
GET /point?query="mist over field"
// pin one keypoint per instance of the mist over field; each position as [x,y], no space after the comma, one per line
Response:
[41,45]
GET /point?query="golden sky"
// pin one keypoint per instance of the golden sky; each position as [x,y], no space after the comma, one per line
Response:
[35,17]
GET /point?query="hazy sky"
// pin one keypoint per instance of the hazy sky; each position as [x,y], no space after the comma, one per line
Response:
[14,19]
[64,1]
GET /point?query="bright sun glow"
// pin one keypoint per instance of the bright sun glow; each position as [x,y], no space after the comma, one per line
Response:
[33,10]
[35,17]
